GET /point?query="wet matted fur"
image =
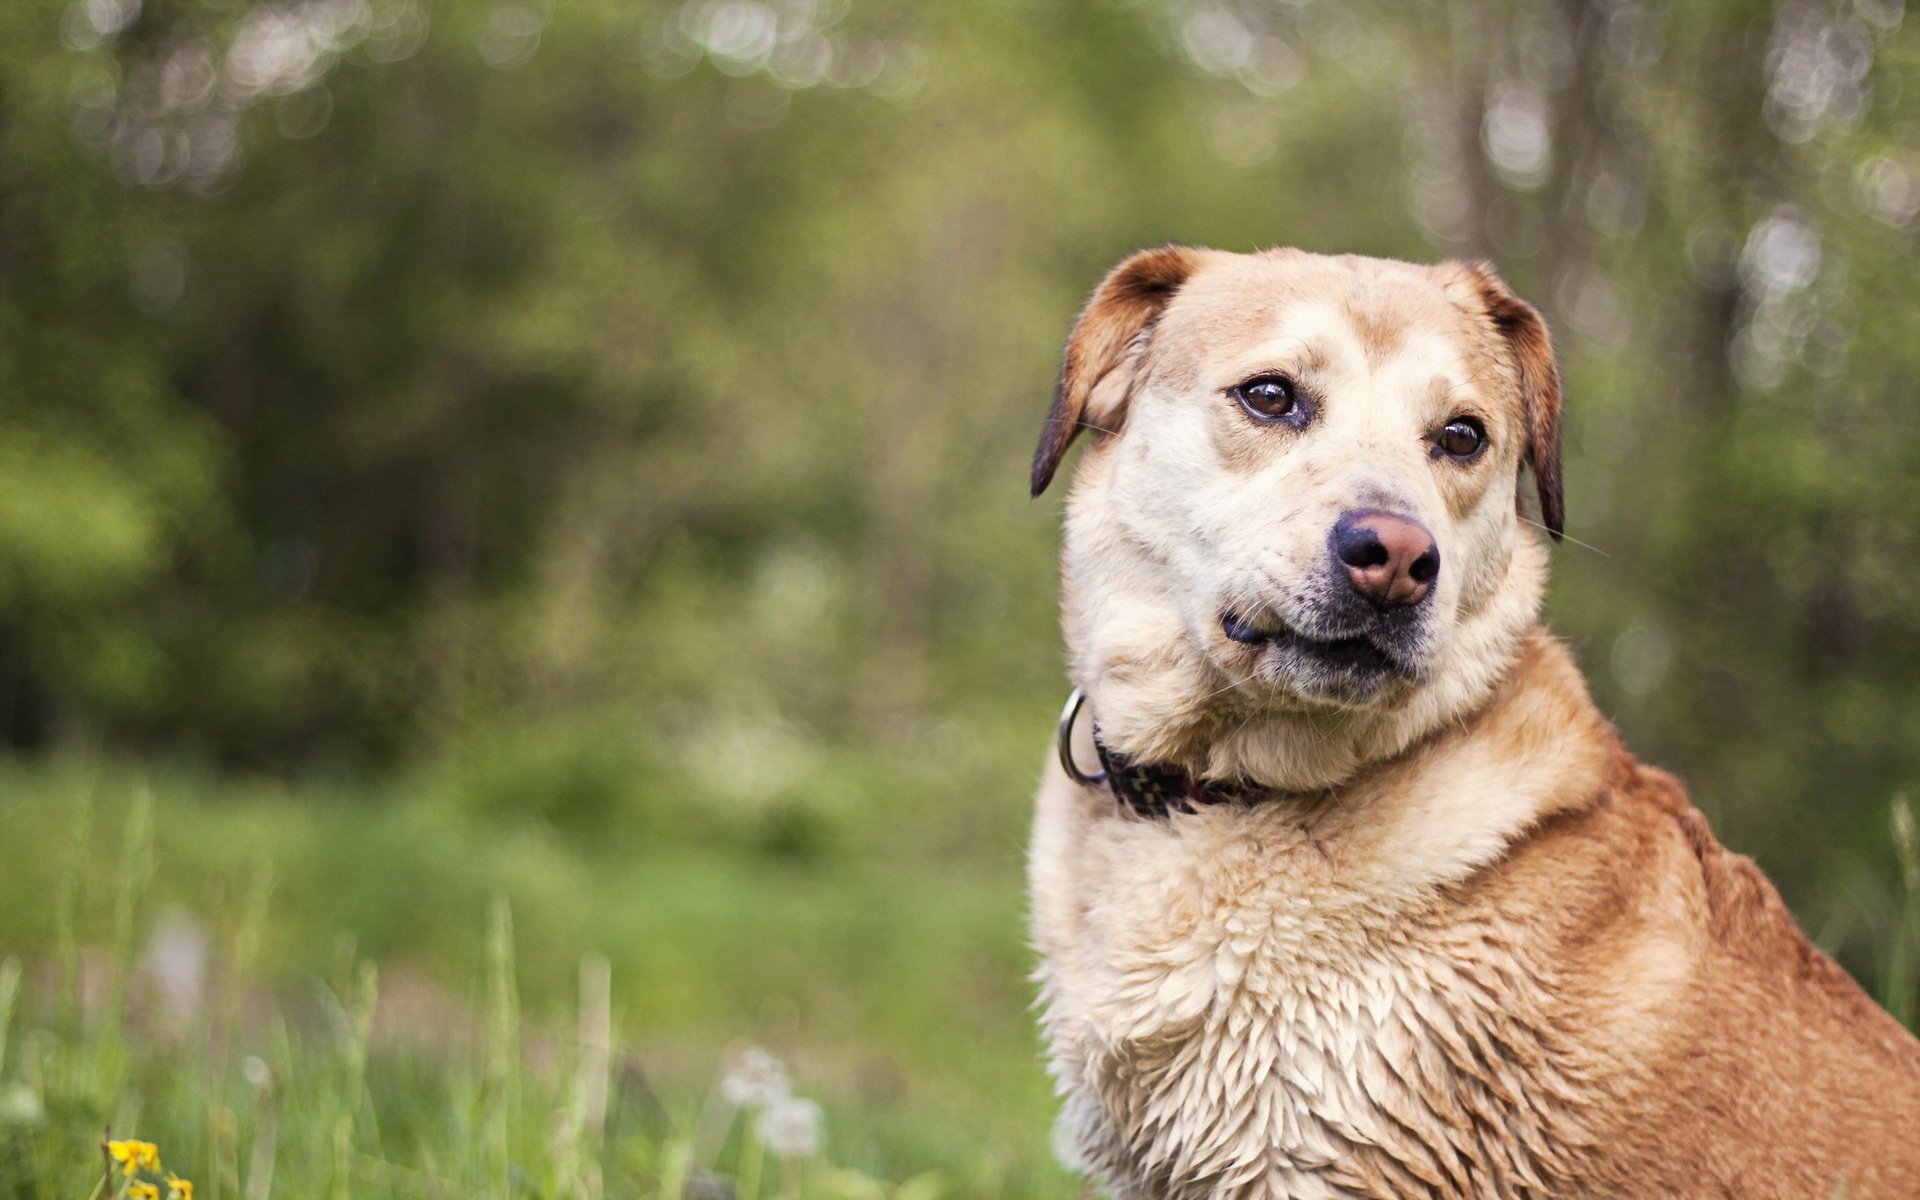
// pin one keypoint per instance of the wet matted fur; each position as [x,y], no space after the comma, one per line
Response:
[1466,945]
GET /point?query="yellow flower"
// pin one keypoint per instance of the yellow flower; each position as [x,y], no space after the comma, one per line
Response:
[180,1188]
[143,1191]
[135,1156]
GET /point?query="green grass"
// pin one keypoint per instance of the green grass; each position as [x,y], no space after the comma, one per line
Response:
[402,998]
[522,971]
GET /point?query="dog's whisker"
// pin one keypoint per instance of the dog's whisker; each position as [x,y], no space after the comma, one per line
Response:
[1565,536]
[1221,691]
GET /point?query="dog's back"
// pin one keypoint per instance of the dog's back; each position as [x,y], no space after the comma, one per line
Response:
[1778,1076]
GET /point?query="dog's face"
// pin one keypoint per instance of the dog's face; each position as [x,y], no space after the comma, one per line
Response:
[1304,494]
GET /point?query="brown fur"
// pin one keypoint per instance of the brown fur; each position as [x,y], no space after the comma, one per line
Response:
[1467,946]
[1520,324]
[1761,1068]
[1122,309]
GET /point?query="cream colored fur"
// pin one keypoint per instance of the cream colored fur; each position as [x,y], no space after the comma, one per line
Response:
[1397,975]
[1237,997]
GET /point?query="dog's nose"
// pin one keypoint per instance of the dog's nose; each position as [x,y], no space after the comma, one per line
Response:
[1390,560]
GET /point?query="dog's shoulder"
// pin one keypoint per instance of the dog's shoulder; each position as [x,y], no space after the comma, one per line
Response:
[1639,850]
[1764,1055]
[1746,917]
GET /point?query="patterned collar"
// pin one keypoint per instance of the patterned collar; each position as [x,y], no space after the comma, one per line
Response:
[1151,790]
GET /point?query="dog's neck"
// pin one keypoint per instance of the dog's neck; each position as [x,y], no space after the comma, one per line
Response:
[1459,797]
[1456,797]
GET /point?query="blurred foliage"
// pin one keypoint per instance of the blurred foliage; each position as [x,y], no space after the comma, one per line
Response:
[611,417]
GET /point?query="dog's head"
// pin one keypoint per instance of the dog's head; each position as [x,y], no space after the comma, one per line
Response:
[1300,520]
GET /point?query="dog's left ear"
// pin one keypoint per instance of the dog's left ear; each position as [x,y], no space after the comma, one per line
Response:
[1525,334]
[1104,352]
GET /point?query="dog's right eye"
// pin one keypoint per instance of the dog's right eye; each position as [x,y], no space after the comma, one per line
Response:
[1272,398]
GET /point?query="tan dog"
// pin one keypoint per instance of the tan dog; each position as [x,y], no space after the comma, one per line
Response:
[1371,901]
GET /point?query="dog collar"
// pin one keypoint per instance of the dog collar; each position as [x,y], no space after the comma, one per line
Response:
[1151,790]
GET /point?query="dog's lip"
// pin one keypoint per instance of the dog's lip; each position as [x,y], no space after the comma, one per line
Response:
[1242,630]
[1354,649]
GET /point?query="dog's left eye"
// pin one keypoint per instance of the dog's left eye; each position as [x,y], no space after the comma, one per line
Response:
[1461,438]
[1272,398]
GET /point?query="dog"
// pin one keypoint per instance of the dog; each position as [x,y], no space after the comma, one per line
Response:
[1341,885]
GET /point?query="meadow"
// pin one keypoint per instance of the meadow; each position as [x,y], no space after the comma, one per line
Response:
[294,994]
[312,993]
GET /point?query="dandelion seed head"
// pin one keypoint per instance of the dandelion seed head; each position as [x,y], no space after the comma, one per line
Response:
[255,1071]
[791,1127]
[175,960]
[755,1080]
[21,1105]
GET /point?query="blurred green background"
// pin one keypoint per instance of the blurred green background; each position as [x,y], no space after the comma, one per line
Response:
[574,451]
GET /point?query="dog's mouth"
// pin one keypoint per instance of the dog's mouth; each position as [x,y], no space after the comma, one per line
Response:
[1353,658]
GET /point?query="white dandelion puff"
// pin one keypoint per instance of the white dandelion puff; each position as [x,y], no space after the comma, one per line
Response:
[755,1080]
[791,1127]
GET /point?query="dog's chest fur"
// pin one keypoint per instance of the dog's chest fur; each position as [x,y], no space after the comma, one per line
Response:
[1245,1008]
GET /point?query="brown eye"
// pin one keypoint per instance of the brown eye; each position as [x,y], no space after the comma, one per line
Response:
[1272,399]
[1462,438]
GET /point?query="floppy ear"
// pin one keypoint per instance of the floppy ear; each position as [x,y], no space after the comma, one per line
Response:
[1525,334]
[1100,367]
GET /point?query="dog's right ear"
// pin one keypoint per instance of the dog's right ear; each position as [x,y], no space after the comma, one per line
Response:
[1100,367]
